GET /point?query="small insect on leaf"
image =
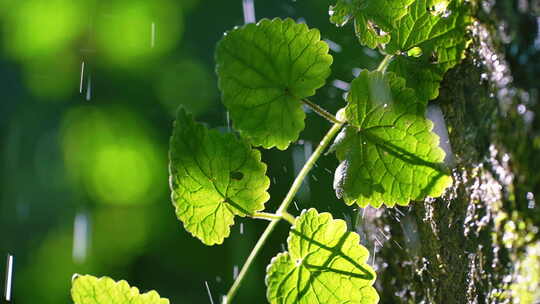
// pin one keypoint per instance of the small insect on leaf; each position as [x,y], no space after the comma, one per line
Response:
[237,175]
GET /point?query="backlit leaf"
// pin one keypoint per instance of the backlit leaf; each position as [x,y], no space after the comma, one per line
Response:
[325,264]
[438,29]
[264,71]
[387,153]
[213,177]
[91,290]
[373,20]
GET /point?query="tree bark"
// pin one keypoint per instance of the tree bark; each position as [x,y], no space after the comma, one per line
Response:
[464,247]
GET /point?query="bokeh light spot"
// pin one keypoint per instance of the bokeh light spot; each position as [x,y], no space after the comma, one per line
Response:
[110,152]
[42,28]
[130,31]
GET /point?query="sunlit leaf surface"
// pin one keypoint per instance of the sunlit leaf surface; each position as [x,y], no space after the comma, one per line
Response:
[264,70]
[436,29]
[213,177]
[388,153]
[325,264]
[373,20]
[91,290]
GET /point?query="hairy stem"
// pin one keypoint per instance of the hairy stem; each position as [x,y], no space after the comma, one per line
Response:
[282,210]
[384,63]
[322,112]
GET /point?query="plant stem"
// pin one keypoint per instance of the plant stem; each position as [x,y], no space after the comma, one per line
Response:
[254,252]
[384,63]
[307,167]
[282,209]
[266,216]
[322,112]
[288,217]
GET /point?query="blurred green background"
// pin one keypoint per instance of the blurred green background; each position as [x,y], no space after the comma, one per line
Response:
[89,89]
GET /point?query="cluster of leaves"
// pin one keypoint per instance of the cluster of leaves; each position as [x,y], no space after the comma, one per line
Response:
[427,37]
[387,151]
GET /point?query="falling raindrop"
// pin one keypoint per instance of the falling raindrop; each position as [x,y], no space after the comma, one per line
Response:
[153,35]
[209,292]
[384,234]
[374,252]
[80,237]
[400,212]
[300,155]
[342,85]
[377,240]
[82,78]
[333,46]
[9,278]
[235,272]
[249,11]
[89,89]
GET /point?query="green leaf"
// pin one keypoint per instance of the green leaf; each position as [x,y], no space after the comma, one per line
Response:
[264,71]
[373,20]
[437,30]
[422,76]
[388,153]
[91,290]
[325,264]
[213,177]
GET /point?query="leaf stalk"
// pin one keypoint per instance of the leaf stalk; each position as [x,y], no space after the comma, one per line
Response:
[384,63]
[322,112]
[288,217]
